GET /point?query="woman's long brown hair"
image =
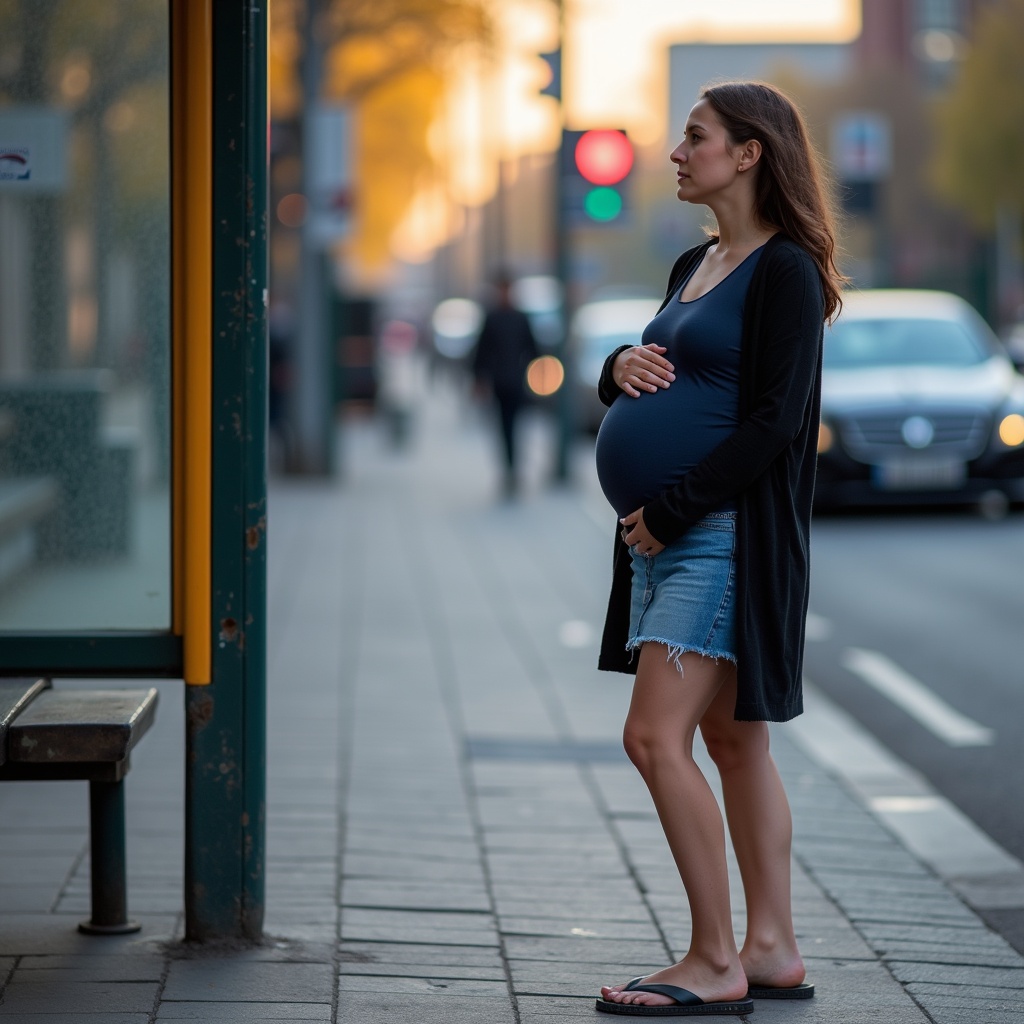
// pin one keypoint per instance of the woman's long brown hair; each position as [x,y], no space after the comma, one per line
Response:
[793,192]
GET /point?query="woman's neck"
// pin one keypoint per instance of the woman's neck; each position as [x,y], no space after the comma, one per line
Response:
[743,238]
[739,228]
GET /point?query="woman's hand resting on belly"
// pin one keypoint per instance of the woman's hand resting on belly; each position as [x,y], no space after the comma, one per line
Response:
[636,534]
[642,368]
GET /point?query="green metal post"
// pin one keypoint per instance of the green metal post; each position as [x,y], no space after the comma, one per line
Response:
[225,775]
[108,861]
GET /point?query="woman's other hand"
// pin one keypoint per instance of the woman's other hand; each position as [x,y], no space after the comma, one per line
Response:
[642,368]
[636,534]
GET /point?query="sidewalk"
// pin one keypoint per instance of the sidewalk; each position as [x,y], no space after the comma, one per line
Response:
[454,833]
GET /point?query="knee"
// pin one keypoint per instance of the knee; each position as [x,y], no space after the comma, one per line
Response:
[734,744]
[647,746]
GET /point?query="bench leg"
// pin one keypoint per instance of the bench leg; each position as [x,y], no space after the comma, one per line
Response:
[109,863]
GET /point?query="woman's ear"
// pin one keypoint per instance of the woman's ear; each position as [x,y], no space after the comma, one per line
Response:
[749,154]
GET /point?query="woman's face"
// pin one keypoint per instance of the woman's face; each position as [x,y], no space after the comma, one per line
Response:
[706,160]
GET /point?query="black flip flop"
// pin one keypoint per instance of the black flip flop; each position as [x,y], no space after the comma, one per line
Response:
[686,1003]
[804,991]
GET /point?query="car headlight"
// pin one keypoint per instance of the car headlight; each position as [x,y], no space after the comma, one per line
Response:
[826,438]
[1010,430]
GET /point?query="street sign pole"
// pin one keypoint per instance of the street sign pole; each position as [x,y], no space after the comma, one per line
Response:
[566,431]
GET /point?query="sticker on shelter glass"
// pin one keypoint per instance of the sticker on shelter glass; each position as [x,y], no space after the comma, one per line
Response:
[15,163]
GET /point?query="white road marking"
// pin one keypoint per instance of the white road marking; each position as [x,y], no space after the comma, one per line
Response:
[916,699]
[941,835]
[576,633]
[818,627]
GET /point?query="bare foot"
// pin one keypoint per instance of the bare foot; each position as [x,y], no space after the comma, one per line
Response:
[712,984]
[773,968]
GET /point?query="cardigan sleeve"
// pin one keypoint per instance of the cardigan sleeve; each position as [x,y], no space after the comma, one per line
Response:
[787,335]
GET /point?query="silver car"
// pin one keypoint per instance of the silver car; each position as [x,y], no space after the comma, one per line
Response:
[920,403]
[598,328]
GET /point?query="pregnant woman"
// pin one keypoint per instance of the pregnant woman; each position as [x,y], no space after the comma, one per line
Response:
[707,453]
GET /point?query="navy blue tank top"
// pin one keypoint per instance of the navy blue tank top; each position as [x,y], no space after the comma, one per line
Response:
[646,444]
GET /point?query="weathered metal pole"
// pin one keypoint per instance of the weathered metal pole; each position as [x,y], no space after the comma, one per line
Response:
[225,775]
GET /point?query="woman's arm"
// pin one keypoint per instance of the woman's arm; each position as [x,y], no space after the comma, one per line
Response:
[634,369]
[791,331]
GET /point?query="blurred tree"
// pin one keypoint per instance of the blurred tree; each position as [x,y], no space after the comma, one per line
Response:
[979,161]
[387,59]
[105,63]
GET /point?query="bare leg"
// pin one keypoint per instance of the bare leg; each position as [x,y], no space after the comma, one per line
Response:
[761,828]
[663,717]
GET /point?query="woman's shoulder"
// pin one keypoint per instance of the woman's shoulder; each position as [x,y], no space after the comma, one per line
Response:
[782,253]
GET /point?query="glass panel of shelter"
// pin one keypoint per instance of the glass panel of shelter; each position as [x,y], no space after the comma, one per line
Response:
[85,415]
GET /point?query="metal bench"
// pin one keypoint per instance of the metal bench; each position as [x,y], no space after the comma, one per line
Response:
[81,734]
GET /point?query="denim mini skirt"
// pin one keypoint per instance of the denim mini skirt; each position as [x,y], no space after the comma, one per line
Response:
[685,596]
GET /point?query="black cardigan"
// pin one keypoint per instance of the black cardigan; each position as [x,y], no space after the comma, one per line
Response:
[768,464]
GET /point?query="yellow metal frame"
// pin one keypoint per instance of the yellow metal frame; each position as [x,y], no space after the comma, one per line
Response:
[191,374]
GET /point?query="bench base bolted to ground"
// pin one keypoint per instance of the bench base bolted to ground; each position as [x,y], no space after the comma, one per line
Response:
[48,733]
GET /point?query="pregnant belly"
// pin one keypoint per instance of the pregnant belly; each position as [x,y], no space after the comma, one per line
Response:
[646,445]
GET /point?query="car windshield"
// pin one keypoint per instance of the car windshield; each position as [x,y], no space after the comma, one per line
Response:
[857,344]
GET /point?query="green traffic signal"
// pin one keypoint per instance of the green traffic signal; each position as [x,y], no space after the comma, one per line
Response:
[602,204]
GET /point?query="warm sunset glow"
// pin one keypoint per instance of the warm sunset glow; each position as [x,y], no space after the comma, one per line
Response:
[615,74]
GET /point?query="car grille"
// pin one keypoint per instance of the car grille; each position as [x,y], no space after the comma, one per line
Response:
[871,438]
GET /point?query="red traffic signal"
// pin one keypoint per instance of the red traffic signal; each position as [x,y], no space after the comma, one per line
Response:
[604,156]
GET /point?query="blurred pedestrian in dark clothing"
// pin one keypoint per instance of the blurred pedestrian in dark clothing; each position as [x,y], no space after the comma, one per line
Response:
[503,351]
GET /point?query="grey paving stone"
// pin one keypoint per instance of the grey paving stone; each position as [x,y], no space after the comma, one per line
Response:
[226,980]
[440,1008]
[581,927]
[385,969]
[549,1009]
[273,949]
[243,1013]
[583,866]
[295,930]
[580,950]
[1004,978]
[388,932]
[49,843]
[576,980]
[592,908]
[31,992]
[497,839]
[415,953]
[112,967]
[435,984]
[35,868]
[29,898]
[613,891]
[76,1017]
[410,866]
[311,910]
[46,934]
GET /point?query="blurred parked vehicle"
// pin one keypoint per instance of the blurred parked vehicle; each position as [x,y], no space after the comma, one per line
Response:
[455,324]
[1013,339]
[539,296]
[598,328]
[920,404]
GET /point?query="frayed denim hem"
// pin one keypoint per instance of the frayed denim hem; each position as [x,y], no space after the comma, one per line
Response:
[674,652]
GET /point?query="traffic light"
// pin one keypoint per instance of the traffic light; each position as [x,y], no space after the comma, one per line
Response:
[596,165]
[553,88]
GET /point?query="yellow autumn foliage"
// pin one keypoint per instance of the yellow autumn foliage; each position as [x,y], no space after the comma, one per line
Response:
[392,161]
[979,164]
[386,59]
